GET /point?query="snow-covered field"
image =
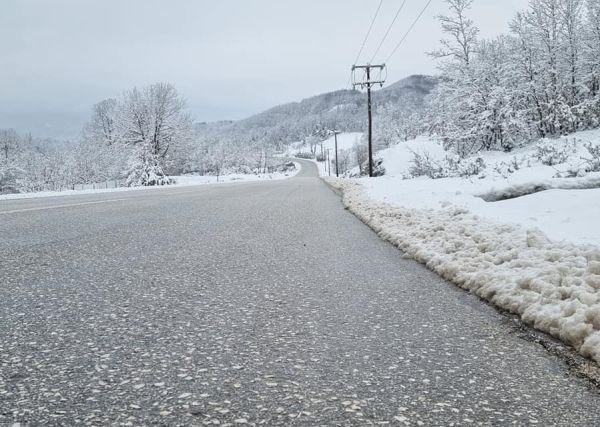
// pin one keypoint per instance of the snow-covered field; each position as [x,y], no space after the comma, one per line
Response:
[537,255]
[345,142]
[563,212]
[181,181]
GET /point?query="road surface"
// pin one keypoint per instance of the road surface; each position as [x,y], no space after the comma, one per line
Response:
[259,303]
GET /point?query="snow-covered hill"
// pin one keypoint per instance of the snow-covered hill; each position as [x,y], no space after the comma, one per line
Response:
[344,110]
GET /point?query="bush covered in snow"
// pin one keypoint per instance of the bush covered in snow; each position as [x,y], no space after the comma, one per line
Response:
[378,168]
[145,169]
[593,160]
[286,167]
[9,179]
[506,168]
[551,153]
[423,164]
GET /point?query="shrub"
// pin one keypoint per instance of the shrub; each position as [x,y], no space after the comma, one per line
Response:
[505,169]
[593,163]
[551,155]
[424,165]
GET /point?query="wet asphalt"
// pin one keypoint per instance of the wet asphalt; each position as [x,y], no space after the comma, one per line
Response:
[253,303]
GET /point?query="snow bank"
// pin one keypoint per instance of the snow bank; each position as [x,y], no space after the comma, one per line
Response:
[562,214]
[181,181]
[554,286]
[529,197]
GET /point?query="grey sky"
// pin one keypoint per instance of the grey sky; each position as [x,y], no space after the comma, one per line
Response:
[229,58]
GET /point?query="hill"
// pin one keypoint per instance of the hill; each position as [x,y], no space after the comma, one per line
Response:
[345,110]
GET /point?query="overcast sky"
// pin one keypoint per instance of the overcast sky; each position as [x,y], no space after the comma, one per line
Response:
[228,58]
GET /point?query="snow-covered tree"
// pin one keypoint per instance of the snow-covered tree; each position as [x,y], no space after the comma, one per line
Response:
[542,80]
[101,129]
[152,120]
[9,143]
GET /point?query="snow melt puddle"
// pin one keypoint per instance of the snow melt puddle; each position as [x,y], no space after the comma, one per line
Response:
[554,286]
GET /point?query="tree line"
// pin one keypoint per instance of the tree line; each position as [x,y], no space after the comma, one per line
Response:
[540,80]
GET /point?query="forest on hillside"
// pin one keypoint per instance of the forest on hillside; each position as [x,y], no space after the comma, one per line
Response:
[540,80]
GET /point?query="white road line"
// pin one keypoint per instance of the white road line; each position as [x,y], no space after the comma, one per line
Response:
[59,206]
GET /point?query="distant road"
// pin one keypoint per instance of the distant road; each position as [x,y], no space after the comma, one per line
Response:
[250,303]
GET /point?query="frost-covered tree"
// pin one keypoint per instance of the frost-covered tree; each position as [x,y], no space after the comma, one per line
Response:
[152,120]
[458,83]
[9,143]
[461,35]
[9,167]
[101,129]
[542,80]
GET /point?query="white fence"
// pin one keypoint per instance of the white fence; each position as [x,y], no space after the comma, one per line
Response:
[99,185]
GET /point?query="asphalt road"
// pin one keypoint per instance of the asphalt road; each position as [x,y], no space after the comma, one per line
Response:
[260,303]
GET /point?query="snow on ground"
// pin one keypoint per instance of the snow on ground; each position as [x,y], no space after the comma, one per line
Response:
[181,181]
[345,141]
[552,285]
[397,159]
[537,256]
[571,215]
[561,213]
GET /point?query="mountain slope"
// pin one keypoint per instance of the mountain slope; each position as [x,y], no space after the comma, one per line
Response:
[345,110]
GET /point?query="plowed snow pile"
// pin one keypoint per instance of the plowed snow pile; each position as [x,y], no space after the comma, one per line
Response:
[555,286]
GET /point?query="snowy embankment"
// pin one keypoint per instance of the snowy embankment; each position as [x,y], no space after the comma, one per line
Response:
[537,256]
[532,196]
[180,181]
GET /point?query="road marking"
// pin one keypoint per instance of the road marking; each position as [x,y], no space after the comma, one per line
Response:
[59,206]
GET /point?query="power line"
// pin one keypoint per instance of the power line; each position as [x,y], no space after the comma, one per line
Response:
[368,83]
[408,31]
[388,30]
[368,32]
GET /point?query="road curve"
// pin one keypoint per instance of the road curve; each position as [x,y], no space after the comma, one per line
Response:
[259,303]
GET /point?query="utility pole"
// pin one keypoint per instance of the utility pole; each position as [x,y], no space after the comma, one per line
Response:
[368,83]
[328,162]
[335,134]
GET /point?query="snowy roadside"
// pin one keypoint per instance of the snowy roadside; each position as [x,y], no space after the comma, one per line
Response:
[563,209]
[181,181]
[554,286]
[529,195]
[527,242]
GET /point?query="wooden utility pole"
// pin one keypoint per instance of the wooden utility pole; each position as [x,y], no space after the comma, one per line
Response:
[335,134]
[328,162]
[368,83]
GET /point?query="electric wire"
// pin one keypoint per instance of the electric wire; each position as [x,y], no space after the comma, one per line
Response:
[362,47]
[369,32]
[408,31]
[387,33]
